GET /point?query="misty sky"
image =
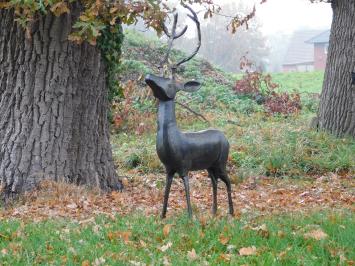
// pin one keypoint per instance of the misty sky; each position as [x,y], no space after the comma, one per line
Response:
[290,15]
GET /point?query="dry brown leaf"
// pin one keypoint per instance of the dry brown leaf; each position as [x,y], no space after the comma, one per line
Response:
[282,254]
[262,230]
[316,234]
[166,247]
[116,195]
[4,251]
[123,235]
[142,243]
[281,234]
[224,239]
[192,255]
[166,261]
[166,229]
[60,8]
[248,251]
[85,263]
[99,261]
[225,257]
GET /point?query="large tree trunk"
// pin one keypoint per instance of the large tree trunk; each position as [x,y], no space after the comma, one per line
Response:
[53,106]
[337,105]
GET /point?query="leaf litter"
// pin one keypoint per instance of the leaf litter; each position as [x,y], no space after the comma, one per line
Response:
[142,195]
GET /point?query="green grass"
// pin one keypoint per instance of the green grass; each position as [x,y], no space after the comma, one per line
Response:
[304,82]
[260,145]
[62,242]
[286,147]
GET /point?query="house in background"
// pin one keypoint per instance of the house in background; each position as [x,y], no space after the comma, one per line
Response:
[321,43]
[307,51]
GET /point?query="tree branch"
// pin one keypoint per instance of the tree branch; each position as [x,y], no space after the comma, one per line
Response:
[194,112]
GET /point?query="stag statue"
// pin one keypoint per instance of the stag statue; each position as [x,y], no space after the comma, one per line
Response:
[183,152]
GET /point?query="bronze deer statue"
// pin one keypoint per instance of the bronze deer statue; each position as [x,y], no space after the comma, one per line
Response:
[183,152]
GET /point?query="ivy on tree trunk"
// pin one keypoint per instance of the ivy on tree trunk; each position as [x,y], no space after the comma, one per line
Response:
[53,106]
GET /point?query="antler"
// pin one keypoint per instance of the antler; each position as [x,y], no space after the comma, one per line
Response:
[173,36]
[195,19]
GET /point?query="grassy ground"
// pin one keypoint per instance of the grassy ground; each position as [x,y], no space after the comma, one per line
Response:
[323,238]
[304,82]
[260,145]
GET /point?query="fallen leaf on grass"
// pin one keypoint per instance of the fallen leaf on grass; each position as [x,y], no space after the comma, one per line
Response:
[225,257]
[4,251]
[85,263]
[281,234]
[192,255]
[224,239]
[166,247]
[142,243]
[137,263]
[123,235]
[166,261]
[166,229]
[262,230]
[99,261]
[316,234]
[247,251]
[282,254]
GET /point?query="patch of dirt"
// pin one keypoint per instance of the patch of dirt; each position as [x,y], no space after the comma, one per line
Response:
[144,194]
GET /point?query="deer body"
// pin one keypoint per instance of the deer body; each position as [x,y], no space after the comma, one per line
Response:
[183,152]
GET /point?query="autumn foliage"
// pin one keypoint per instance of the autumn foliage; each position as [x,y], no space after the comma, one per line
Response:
[260,87]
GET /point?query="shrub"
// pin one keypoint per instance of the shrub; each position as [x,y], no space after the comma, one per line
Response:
[261,88]
[282,103]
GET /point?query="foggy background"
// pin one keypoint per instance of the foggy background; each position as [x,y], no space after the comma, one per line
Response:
[266,40]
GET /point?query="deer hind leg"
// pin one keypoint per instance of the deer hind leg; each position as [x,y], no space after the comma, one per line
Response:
[224,177]
[214,190]
[187,192]
[169,180]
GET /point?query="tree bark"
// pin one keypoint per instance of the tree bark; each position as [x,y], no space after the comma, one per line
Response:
[337,104]
[53,106]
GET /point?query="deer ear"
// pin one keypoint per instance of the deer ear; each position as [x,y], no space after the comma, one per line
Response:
[191,86]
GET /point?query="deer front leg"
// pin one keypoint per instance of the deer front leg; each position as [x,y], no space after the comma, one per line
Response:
[187,192]
[169,180]
[214,188]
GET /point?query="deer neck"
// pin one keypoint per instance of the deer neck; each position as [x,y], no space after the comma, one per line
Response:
[166,116]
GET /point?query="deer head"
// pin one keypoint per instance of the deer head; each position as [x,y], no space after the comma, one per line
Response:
[166,88]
